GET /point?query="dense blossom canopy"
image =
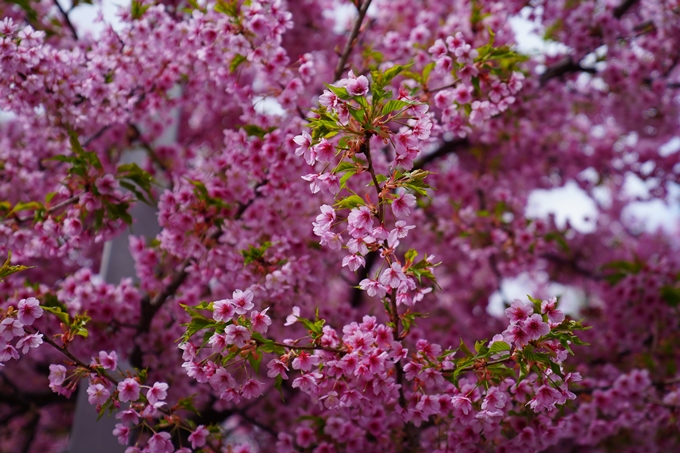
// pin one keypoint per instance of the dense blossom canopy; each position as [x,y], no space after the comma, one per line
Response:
[339,196]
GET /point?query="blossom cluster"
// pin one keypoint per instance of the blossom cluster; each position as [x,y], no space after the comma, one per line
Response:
[301,162]
[15,339]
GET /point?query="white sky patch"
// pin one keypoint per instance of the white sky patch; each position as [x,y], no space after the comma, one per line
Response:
[84,16]
[6,116]
[655,214]
[567,203]
[529,37]
[670,147]
[268,106]
[571,299]
[344,14]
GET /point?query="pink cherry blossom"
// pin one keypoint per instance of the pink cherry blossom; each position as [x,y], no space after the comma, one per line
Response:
[259,321]
[392,276]
[242,301]
[29,310]
[97,394]
[252,388]
[519,311]
[199,436]
[401,206]
[128,390]
[357,86]
[236,335]
[535,327]
[29,342]
[158,392]
[108,361]
[160,443]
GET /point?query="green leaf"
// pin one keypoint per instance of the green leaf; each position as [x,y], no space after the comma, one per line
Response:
[236,62]
[393,72]
[255,360]
[57,311]
[197,324]
[255,253]
[463,347]
[27,206]
[107,405]
[410,255]
[8,269]
[498,346]
[475,83]
[351,201]
[228,7]
[632,267]
[671,295]
[559,238]
[396,104]
[555,368]
[362,102]
[257,131]
[340,92]
[134,178]
[138,9]
[345,178]
[78,325]
[118,211]
[188,404]
[50,300]
[426,71]
[278,382]
[344,166]
[359,115]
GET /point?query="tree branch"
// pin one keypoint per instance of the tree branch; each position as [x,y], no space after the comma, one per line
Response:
[67,20]
[623,8]
[563,67]
[357,298]
[567,65]
[350,41]
[150,306]
[446,148]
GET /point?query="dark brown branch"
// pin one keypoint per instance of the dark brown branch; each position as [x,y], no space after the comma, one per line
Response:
[31,429]
[571,265]
[150,306]
[136,135]
[446,148]
[623,8]
[64,350]
[210,416]
[567,65]
[366,151]
[339,69]
[54,208]
[563,67]
[24,400]
[96,135]
[357,298]
[67,20]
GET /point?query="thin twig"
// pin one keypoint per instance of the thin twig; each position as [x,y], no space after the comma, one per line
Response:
[64,350]
[366,151]
[620,10]
[308,348]
[567,65]
[150,306]
[350,41]
[54,208]
[96,135]
[67,20]
[446,148]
